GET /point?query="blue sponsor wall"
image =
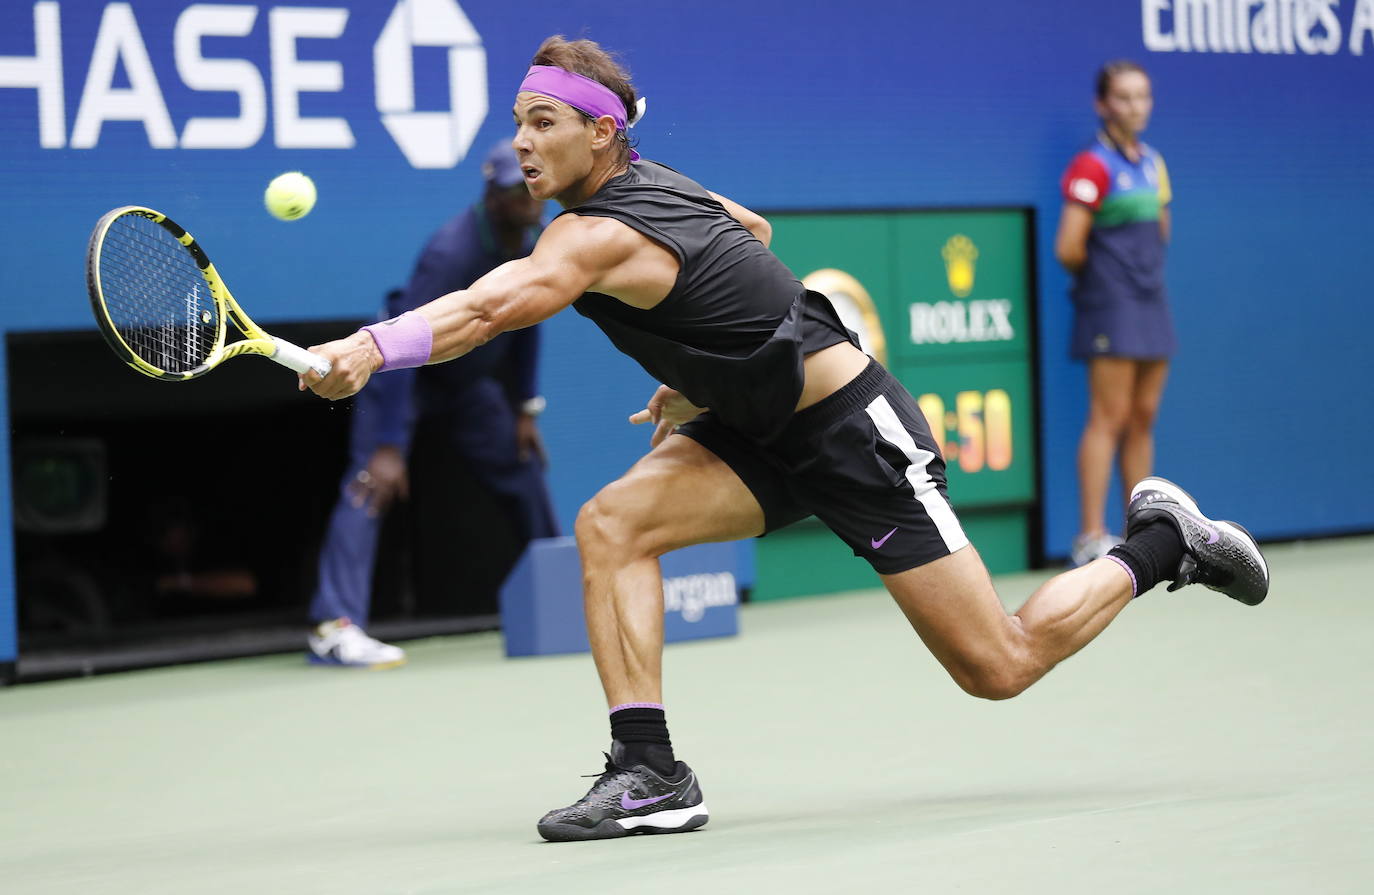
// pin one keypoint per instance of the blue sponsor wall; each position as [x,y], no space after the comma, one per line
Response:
[780,105]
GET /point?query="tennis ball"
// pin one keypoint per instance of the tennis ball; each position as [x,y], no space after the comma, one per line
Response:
[290,196]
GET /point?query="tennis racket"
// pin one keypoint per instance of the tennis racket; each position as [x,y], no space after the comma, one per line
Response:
[162,306]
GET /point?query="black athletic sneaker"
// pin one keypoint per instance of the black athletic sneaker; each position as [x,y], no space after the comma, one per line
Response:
[1220,555]
[627,800]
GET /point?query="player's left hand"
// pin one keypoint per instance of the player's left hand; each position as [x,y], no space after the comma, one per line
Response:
[354,360]
[667,409]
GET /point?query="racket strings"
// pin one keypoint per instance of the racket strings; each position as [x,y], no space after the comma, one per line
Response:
[155,295]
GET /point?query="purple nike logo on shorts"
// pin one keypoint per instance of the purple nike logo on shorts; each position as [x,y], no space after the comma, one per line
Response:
[879,542]
[630,804]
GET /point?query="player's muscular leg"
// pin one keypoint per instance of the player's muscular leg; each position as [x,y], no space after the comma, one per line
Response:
[953,607]
[679,494]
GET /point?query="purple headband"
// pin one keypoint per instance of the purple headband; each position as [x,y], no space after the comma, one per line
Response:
[582,93]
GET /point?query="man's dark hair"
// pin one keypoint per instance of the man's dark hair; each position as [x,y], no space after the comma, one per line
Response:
[588,59]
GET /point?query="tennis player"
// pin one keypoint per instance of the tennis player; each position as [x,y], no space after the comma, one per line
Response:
[800,421]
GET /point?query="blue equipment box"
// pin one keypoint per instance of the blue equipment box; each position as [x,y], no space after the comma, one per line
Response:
[541,600]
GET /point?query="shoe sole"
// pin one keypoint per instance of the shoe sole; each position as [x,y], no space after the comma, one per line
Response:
[680,820]
[315,659]
[1185,500]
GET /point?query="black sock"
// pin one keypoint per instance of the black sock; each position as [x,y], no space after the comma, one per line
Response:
[643,732]
[1152,555]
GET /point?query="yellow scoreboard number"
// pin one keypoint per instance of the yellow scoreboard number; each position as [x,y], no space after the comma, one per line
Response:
[977,433]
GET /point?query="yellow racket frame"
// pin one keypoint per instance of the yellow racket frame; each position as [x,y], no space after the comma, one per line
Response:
[257,340]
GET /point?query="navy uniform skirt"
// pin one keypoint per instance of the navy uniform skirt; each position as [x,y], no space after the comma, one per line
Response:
[1123,326]
[1121,307]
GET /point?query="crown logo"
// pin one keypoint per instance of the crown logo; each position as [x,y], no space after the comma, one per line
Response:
[960,254]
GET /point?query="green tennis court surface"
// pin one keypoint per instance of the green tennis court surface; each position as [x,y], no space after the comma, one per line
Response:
[1197,746]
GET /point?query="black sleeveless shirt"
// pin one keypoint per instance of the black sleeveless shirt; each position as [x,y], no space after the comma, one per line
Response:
[732,333]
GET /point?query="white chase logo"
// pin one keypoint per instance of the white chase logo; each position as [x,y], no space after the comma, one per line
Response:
[692,595]
[427,139]
[982,320]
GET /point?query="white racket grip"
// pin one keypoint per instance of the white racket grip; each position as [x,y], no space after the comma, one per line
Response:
[298,359]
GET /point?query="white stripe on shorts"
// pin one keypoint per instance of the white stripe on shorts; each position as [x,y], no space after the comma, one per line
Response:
[939,510]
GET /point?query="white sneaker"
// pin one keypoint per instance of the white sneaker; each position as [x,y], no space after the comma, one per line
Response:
[1087,548]
[340,642]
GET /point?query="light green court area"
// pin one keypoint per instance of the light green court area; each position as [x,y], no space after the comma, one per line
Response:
[1197,746]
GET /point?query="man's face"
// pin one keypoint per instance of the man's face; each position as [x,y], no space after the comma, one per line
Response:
[554,144]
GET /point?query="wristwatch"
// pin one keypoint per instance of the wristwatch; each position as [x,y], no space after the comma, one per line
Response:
[533,406]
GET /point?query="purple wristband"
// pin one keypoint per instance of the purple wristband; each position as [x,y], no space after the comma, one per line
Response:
[404,341]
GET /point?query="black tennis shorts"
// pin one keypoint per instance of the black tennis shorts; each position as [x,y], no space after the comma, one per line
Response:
[862,461]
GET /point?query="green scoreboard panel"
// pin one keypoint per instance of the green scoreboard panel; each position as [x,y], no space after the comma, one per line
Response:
[943,298]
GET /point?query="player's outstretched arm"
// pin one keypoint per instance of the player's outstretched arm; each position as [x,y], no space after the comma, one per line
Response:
[571,256]
[517,294]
